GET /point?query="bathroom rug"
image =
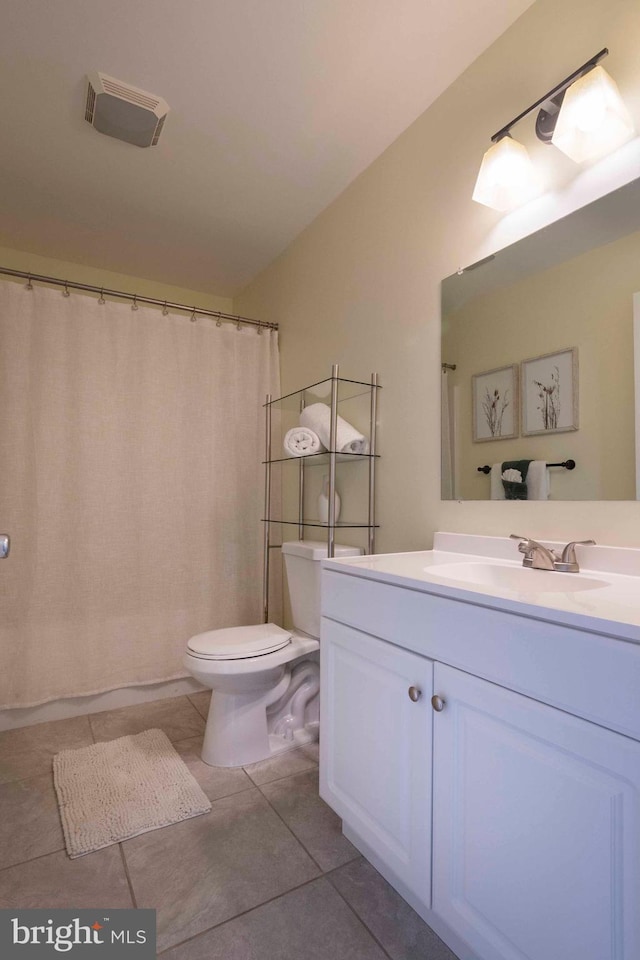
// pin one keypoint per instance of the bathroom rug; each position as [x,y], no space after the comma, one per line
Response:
[119,789]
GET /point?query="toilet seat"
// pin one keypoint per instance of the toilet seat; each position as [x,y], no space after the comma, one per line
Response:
[239,643]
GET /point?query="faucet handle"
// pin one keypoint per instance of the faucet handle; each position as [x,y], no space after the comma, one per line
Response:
[569,552]
[522,546]
[536,554]
[525,546]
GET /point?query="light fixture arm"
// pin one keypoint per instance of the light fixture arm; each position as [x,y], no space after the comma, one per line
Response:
[549,104]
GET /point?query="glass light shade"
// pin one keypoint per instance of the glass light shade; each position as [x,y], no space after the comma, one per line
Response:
[593,119]
[507,178]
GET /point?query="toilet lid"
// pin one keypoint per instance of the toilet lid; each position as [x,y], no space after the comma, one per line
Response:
[236,643]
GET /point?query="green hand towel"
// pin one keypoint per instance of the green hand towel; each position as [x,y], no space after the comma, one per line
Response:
[512,489]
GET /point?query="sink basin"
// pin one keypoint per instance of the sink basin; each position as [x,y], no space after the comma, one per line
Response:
[520,579]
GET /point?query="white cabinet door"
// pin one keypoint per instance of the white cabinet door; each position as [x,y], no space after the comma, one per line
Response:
[536,837]
[375,748]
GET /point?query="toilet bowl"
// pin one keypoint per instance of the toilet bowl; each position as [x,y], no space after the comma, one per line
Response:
[241,724]
[265,680]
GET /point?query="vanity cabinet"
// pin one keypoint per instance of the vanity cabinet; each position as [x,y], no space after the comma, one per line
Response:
[376,750]
[534,810]
[536,819]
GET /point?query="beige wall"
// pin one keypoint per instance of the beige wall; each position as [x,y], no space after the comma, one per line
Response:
[361,284]
[50,267]
[586,303]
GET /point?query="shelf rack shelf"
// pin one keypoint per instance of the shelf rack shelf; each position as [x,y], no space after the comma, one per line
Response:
[321,459]
[339,524]
[351,389]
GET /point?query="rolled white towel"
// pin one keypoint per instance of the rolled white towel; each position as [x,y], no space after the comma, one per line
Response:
[317,417]
[512,476]
[301,442]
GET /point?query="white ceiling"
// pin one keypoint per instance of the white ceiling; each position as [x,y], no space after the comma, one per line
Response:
[276,105]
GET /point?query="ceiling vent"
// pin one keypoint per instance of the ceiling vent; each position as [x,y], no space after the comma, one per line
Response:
[124,112]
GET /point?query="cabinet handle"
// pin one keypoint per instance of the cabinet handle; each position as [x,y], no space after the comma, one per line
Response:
[437,703]
[414,694]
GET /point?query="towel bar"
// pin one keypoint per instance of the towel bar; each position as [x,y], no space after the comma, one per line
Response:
[567,464]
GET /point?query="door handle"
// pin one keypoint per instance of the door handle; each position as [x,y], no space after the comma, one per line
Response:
[437,703]
[414,693]
[5,544]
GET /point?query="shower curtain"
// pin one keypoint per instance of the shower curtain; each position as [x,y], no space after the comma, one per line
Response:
[131,484]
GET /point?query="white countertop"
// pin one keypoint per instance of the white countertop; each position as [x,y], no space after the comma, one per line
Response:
[612,608]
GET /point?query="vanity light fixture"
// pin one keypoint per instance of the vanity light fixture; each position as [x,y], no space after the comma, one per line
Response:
[593,119]
[507,177]
[584,116]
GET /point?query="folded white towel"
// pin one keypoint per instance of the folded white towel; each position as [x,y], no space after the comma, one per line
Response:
[317,417]
[538,480]
[301,442]
[497,487]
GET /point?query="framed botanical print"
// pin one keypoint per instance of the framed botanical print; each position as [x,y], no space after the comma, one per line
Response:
[549,387]
[495,404]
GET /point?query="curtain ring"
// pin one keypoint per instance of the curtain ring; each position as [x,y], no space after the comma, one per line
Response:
[259,329]
[219,321]
[165,310]
[193,317]
[134,305]
[239,326]
[101,297]
[65,292]
[28,284]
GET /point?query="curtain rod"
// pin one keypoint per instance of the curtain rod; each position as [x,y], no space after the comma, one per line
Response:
[135,298]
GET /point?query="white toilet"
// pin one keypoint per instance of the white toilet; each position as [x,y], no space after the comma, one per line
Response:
[265,680]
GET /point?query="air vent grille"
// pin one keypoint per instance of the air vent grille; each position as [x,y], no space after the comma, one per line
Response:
[130,93]
[91,104]
[156,135]
[124,112]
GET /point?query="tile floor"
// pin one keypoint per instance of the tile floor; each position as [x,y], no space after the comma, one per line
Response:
[267,875]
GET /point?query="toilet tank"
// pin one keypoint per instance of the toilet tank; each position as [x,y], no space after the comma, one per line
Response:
[302,561]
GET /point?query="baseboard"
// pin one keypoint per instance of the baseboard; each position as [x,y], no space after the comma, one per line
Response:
[80,706]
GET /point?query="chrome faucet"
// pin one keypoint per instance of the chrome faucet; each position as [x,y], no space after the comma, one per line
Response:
[540,557]
[535,554]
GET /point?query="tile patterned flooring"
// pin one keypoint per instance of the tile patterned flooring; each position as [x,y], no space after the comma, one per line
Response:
[267,875]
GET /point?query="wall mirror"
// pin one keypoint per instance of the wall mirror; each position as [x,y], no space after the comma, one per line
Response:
[541,361]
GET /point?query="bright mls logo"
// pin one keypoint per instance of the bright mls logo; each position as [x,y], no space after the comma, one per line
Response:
[82,933]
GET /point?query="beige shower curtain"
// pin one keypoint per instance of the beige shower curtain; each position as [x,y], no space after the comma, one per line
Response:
[131,484]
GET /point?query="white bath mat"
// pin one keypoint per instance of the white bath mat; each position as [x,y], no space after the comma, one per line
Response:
[116,790]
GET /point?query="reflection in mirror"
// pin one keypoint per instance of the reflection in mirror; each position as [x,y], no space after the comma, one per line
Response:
[538,362]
